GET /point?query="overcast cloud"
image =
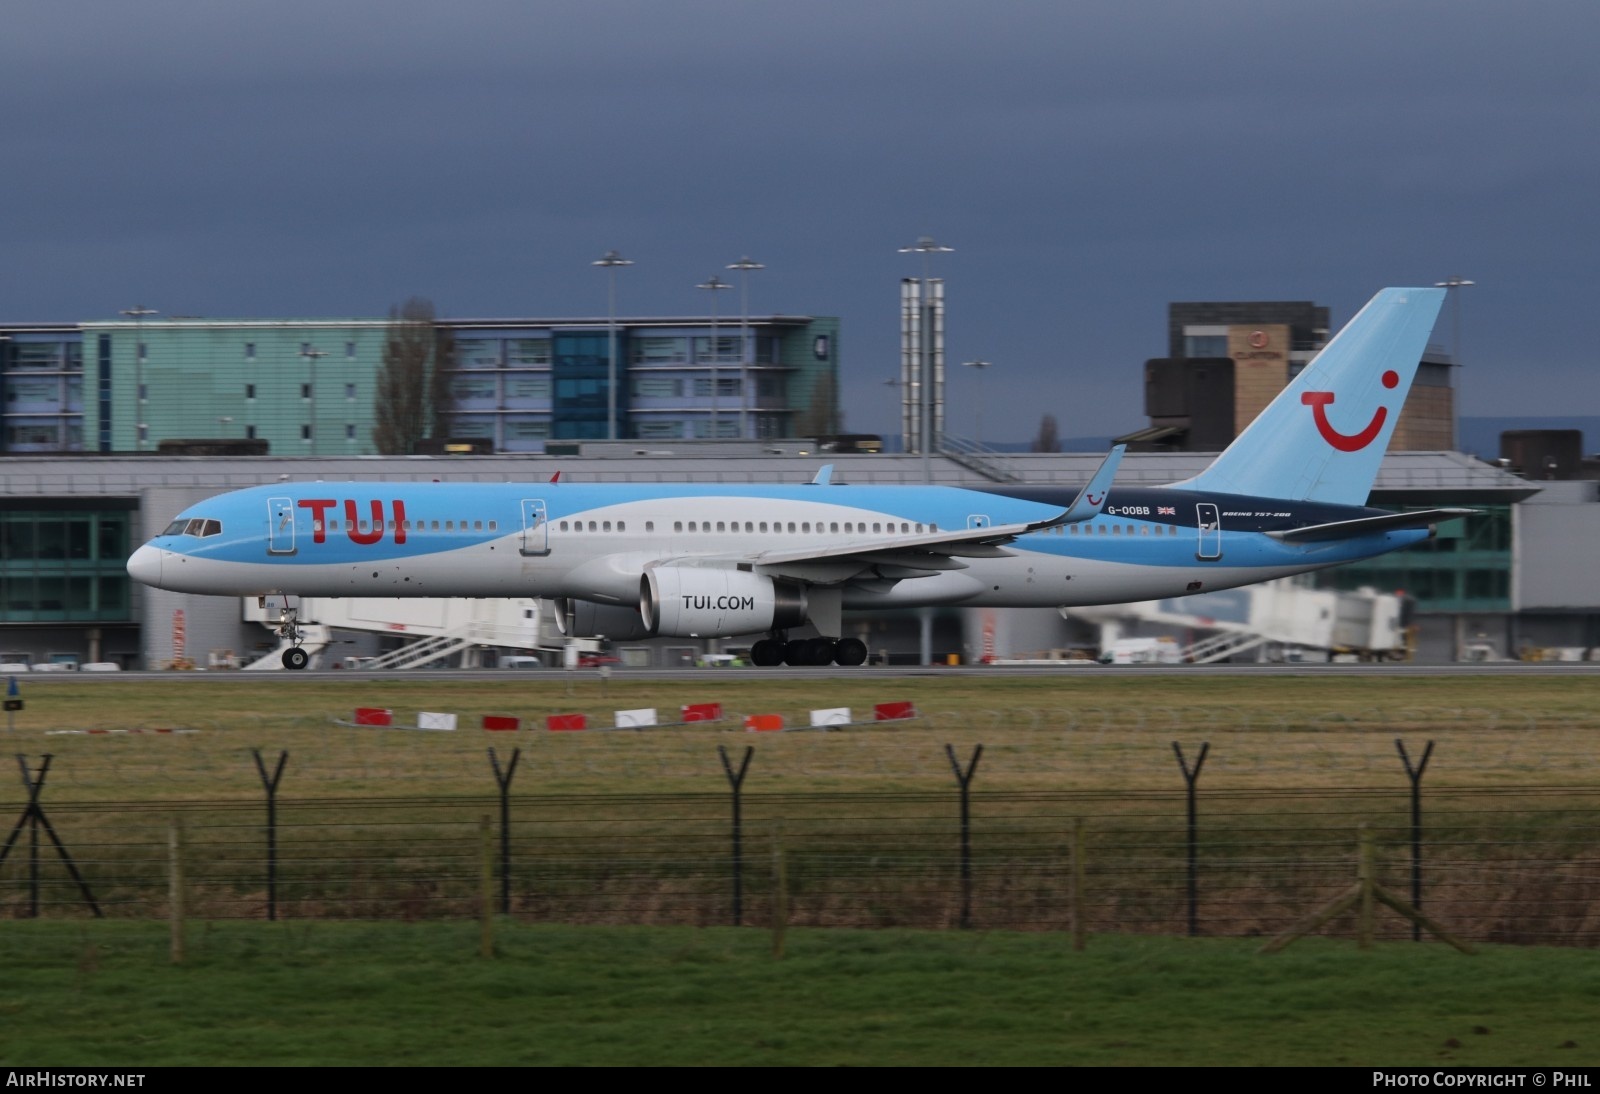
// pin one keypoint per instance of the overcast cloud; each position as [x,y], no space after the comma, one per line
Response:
[1088,161]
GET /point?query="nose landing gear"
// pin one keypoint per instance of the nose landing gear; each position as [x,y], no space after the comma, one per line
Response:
[295,657]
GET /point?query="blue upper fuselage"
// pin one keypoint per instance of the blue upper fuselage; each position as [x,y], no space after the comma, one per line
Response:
[341,523]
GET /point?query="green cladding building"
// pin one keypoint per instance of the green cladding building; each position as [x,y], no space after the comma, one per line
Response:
[311,387]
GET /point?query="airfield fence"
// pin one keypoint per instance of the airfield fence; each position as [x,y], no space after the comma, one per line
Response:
[1514,865]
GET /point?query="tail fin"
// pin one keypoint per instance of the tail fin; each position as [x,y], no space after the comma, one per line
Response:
[1324,436]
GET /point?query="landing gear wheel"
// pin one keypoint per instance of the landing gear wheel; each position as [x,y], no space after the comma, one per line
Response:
[767,652]
[850,651]
[794,652]
[819,651]
[295,658]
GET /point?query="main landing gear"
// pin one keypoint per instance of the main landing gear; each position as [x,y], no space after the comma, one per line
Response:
[808,651]
[295,657]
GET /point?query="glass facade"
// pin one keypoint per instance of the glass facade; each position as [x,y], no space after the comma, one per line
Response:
[41,374]
[64,564]
[1465,568]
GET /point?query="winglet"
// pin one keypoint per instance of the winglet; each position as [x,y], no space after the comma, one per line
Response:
[1092,498]
[556,477]
[824,476]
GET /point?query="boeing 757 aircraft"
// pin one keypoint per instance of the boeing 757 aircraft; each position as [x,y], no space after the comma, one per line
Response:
[689,560]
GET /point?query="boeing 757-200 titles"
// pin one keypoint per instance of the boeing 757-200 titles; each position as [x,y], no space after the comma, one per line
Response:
[690,560]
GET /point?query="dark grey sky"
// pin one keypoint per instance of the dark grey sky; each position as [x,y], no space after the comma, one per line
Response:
[1089,161]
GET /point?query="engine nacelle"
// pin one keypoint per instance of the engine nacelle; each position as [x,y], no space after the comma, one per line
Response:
[714,602]
[586,619]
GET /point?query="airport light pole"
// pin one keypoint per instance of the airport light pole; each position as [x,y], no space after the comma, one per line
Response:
[744,266]
[138,312]
[1453,287]
[979,367]
[611,261]
[312,354]
[713,286]
[927,248]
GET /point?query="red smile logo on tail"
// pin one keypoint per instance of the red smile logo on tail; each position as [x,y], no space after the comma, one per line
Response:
[1347,442]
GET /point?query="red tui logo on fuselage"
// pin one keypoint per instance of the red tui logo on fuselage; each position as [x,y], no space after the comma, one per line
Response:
[357,529]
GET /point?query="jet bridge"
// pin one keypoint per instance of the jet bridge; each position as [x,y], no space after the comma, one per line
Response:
[1277,620]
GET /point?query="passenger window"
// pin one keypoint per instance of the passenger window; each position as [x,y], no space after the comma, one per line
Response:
[763,526]
[622,526]
[606,527]
[805,526]
[791,527]
[677,526]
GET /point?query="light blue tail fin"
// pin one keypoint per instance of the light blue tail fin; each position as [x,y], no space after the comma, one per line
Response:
[1324,436]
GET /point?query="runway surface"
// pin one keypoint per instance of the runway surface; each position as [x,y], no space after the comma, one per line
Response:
[1064,670]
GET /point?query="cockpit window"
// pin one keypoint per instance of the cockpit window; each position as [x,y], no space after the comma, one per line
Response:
[194,526]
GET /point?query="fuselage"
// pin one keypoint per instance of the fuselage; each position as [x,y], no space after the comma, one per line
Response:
[594,541]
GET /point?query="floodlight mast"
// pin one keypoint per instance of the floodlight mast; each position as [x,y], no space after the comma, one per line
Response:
[745,266]
[611,261]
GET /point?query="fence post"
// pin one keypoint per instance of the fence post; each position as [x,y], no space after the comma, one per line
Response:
[736,782]
[1190,777]
[271,785]
[175,886]
[780,900]
[1078,926]
[504,780]
[1364,880]
[964,781]
[1415,775]
[486,889]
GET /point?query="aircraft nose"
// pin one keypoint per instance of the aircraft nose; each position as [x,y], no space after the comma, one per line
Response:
[145,566]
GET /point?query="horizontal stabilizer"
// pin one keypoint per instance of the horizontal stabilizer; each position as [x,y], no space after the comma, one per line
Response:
[1366,526]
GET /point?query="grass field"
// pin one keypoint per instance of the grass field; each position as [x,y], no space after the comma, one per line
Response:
[418,994]
[1046,732]
[1294,763]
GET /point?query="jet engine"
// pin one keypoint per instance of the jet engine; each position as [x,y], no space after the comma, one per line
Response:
[586,619]
[714,602]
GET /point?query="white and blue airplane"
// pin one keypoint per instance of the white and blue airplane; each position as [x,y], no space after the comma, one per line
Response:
[690,560]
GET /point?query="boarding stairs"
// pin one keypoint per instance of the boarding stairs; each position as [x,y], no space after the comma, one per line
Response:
[977,459]
[1220,647]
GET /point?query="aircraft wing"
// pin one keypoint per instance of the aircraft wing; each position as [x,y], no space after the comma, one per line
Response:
[1362,526]
[921,555]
